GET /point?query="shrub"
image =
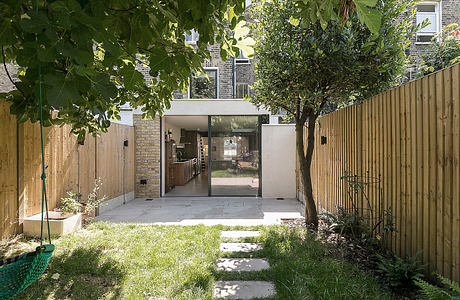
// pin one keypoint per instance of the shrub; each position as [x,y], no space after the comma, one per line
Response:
[74,204]
[444,50]
[433,292]
[400,272]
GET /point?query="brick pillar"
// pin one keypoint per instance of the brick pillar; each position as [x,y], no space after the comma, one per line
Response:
[148,159]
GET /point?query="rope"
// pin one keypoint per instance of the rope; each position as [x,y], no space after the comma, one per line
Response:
[43,177]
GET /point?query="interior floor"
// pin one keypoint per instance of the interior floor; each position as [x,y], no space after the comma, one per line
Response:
[198,186]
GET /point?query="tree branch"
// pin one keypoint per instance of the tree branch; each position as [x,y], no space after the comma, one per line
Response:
[8,73]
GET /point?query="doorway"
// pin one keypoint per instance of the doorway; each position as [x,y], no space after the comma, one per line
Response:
[186,156]
[234,155]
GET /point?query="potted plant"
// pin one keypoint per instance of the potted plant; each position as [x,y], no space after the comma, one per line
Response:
[74,203]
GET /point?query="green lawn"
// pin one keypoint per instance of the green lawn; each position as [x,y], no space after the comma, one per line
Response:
[113,261]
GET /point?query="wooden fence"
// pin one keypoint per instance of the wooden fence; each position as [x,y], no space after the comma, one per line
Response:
[404,144]
[68,165]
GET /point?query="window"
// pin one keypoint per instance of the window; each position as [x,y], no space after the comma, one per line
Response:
[428,11]
[241,59]
[202,87]
[242,90]
[247,3]
[192,38]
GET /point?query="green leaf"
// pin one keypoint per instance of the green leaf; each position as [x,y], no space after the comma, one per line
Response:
[131,77]
[371,3]
[241,30]
[62,91]
[102,84]
[36,23]
[6,36]
[369,16]
[294,21]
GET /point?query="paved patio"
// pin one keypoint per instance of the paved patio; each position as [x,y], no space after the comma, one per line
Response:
[244,211]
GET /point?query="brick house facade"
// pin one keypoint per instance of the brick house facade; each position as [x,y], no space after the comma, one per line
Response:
[445,12]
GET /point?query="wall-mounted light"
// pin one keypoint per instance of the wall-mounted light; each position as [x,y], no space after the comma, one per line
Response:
[323,140]
[143,181]
[125,143]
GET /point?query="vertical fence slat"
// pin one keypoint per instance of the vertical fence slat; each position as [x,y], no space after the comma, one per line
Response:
[456,173]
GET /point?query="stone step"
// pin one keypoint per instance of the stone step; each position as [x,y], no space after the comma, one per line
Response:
[243,289]
[240,247]
[239,234]
[242,264]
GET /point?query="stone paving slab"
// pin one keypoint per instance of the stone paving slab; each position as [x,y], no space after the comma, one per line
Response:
[242,264]
[243,289]
[240,247]
[239,234]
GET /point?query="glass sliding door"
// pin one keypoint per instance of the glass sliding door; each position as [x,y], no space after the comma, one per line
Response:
[234,154]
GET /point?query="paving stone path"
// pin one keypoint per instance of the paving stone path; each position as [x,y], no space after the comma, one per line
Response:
[242,289]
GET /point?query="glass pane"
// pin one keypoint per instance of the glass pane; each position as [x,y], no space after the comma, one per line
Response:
[202,87]
[426,8]
[234,155]
[432,27]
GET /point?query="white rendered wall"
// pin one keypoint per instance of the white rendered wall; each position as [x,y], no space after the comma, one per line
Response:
[216,107]
[278,161]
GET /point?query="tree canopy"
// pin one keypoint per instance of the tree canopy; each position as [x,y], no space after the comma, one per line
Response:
[91,51]
[301,69]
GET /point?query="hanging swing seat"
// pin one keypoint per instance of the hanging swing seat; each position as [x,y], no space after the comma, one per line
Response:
[17,273]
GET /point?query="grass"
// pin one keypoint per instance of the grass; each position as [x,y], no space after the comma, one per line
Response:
[113,261]
[243,172]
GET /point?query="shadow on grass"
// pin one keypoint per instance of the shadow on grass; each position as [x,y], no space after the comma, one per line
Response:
[84,273]
[303,268]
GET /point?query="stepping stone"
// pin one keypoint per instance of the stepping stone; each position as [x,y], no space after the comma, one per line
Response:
[243,289]
[239,234]
[242,264]
[240,247]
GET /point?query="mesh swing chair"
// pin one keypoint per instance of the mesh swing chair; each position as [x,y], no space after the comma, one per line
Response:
[17,273]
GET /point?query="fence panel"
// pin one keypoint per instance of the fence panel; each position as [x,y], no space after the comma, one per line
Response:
[70,166]
[408,140]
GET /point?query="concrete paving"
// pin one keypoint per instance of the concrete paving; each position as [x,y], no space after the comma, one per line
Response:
[236,234]
[240,247]
[243,289]
[242,264]
[245,211]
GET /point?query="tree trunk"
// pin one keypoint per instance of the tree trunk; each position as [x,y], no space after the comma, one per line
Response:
[311,215]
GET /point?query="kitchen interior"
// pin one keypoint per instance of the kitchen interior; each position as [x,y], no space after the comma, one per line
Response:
[186,156]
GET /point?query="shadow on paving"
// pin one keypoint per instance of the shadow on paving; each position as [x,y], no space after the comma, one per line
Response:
[83,274]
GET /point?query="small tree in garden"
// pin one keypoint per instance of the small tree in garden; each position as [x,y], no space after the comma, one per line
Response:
[444,50]
[302,69]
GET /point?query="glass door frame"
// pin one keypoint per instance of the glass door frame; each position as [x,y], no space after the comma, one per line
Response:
[259,129]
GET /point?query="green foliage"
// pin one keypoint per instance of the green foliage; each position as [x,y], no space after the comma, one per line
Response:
[433,292]
[74,204]
[400,272]
[307,66]
[444,50]
[323,11]
[346,223]
[90,52]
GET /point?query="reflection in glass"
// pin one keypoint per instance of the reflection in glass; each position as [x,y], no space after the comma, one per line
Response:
[234,155]
[202,87]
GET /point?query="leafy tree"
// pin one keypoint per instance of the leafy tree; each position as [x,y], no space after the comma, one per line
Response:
[91,51]
[444,50]
[302,69]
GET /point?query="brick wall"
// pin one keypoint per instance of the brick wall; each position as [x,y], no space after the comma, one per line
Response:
[450,13]
[147,157]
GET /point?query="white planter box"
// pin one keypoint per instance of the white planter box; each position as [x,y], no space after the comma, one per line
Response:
[59,224]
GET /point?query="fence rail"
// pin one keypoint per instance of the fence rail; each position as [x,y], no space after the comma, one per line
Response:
[409,137]
[68,165]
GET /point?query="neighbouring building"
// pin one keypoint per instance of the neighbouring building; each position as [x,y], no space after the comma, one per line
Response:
[439,14]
